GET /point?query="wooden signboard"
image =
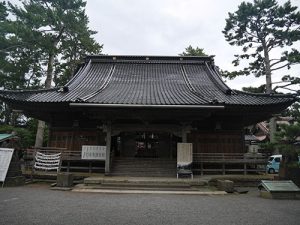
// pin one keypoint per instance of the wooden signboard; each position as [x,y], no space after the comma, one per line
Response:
[5,158]
[93,152]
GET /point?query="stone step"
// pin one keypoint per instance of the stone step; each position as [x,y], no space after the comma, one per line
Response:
[143,167]
[144,163]
[139,168]
[144,181]
[143,174]
[144,185]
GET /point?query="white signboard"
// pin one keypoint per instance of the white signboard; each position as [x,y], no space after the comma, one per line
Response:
[93,152]
[5,158]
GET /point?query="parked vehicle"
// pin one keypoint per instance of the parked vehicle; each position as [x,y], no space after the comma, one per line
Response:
[274,163]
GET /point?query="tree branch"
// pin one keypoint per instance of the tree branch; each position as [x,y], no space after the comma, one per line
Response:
[279,61]
[280,67]
[283,86]
[14,46]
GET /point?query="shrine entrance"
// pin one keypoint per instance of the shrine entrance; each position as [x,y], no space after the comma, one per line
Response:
[145,145]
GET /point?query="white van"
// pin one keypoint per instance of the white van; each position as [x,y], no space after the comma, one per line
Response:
[273,163]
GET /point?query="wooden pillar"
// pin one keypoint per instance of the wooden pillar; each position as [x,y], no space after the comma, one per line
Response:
[184,133]
[108,147]
[90,167]
[245,169]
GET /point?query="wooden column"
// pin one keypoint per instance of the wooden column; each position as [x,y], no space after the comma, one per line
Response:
[108,147]
[184,136]
[184,132]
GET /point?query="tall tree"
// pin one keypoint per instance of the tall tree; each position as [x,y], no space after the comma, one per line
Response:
[261,28]
[19,63]
[190,51]
[53,25]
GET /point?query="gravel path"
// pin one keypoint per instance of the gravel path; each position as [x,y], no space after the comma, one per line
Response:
[36,204]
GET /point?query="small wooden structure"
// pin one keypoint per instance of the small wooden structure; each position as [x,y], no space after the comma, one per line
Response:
[279,189]
[142,106]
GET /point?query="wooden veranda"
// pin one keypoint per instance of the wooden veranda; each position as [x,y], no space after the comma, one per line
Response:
[203,163]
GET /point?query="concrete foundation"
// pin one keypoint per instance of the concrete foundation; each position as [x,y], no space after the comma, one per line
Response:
[64,180]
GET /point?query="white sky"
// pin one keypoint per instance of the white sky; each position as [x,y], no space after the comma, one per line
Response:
[167,27]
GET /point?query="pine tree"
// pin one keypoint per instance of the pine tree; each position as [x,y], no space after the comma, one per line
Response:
[52,28]
[260,28]
[190,51]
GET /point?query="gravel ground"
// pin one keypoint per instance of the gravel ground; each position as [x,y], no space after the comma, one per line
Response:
[36,204]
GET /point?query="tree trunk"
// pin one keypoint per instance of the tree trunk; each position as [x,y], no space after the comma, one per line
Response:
[39,139]
[7,114]
[49,71]
[272,123]
[268,69]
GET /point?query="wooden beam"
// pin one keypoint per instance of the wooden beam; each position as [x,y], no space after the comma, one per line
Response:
[108,147]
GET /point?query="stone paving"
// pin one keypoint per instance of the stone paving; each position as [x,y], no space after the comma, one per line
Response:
[37,204]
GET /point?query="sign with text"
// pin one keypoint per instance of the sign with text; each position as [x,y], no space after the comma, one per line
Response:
[5,158]
[95,152]
[280,186]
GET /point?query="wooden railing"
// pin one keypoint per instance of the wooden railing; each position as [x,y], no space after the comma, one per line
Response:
[68,157]
[230,158]
[229,162]
[66,154]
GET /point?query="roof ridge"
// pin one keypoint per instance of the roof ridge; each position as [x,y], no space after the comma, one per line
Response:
[74,80]
[148,57]
[102,87]
[214,78]
[266,94]
[191,87]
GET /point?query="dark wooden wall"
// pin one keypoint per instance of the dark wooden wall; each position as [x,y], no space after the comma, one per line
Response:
[217,142]
[74,139]
[203,142]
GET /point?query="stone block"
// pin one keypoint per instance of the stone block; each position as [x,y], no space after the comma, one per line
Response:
[14,181]
[225,185]
[64,180]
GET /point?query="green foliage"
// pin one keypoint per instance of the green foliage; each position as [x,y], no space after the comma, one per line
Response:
[39,37]
[26,134]
[293,111]
[19,57]
[286,139]
[59,30]
[260,89]
[259,28]
[190,51]
[268,146]
[288,133]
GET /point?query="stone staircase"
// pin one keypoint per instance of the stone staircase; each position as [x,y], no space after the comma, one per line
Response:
[119,184]
[143,167]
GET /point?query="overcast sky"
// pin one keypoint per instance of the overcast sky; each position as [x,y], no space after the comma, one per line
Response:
[167,27]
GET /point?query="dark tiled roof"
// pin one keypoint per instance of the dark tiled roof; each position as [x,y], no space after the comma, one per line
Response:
[146,80]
